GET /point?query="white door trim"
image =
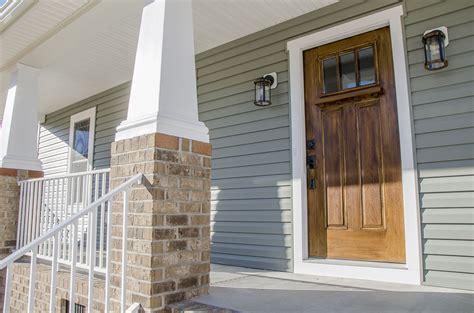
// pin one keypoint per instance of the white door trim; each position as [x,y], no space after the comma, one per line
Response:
[411,272]
[86,114]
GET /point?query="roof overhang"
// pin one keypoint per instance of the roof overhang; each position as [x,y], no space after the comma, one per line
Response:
[83,47]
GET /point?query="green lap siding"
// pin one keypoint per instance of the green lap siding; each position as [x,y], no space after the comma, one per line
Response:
[111,109]
[251,177]
[443,112]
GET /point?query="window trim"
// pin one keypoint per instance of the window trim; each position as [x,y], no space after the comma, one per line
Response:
[86,114]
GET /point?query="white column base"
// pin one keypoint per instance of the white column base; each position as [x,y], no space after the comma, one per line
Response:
[21,163]
[164,125]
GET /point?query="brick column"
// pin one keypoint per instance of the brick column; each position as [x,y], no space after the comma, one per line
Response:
[9,207]
[168,232]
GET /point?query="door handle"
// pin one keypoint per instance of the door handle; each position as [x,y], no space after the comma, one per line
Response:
[312,183]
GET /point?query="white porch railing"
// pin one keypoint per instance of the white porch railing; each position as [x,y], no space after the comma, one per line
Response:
[71,224]
[46,202]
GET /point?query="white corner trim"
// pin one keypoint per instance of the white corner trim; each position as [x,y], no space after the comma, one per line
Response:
[411,272]
[86,114]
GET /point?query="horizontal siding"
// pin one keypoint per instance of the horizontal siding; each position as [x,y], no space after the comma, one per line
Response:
[251,166]
[443,112]
[111,109]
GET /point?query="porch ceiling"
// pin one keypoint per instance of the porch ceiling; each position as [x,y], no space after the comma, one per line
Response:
[86,46]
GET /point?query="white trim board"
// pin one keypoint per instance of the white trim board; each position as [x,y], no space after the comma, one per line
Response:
[411,272]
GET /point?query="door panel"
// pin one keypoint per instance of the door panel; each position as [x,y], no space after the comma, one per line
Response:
[334,168]
[355,208]
[370,162]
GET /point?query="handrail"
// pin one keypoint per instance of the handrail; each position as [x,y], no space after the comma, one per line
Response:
[105,170]
[30,246]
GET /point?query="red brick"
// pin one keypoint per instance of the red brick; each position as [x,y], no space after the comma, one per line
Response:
[201,148]
[166,142]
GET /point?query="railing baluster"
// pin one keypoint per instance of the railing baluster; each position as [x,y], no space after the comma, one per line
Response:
[71,211]
[8,289]
[124,250]
[33,211]
[57,207]
[85,203]
[92,248]
[29,223]
[39,213]
[36,215]
[43,211]
[47,207]
[20,217]
[102,214]
[81,243]
[63,215]
[54,271]
[25,223]
[72,286]
[107,258]
[31,291]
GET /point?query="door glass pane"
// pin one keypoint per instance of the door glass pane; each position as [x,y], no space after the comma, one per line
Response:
[366,66]
[81,140]
[330,75]
[348,74]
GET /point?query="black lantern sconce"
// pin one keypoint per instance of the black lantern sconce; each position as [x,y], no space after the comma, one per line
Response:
[435,42]
[263,89]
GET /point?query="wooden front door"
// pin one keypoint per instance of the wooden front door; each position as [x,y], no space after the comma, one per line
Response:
[355,201]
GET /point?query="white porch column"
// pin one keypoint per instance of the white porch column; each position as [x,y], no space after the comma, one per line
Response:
[19,134]
[163,97]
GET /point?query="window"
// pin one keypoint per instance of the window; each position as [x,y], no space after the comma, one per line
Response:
[349,69]
[78,308]
[81,141]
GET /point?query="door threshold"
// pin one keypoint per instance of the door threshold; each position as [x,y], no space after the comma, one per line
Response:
[371,264]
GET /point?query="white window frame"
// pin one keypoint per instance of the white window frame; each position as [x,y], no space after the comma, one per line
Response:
[411,271]
[87,114]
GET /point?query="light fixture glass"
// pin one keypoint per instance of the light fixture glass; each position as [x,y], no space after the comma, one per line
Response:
[263,90]
[435,50]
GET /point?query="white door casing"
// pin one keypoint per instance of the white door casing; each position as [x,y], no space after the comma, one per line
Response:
[411,271]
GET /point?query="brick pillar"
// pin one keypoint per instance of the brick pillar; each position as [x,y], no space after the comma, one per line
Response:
[168,232]
[9,207]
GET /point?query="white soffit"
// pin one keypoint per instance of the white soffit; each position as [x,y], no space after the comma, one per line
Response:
[31,22]
[220,21]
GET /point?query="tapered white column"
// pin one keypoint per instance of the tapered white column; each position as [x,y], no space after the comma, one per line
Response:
[19,134]
[163,97]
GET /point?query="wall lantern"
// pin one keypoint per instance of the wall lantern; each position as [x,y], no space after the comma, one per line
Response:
[263,89]
[435,42]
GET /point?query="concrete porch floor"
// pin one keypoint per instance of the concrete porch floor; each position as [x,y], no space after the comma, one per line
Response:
[250,290]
